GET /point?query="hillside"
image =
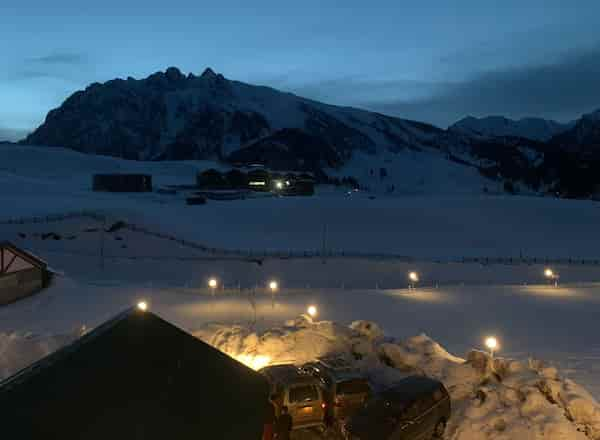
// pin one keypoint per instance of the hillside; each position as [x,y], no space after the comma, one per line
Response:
[535,129]
[172,116]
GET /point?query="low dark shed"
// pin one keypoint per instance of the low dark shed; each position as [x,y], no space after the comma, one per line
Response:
[135,377]
[122,182]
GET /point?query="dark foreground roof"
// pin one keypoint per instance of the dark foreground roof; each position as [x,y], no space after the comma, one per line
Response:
[135,377]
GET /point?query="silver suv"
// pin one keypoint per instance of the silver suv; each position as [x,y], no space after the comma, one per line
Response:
[346,389]
[300,392]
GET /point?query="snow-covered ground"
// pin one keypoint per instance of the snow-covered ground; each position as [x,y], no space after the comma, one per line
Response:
[456,304]
[39,181]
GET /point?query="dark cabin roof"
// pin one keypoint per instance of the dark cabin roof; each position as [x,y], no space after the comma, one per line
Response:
[134,377]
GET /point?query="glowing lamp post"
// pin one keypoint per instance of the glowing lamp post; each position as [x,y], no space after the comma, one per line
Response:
[492,344]
[413,278]
[551,275]
[213,284]
[312,311]
[142,306]
[273,287]
[279,185]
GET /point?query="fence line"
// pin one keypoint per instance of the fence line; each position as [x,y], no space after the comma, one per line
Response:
[263,254]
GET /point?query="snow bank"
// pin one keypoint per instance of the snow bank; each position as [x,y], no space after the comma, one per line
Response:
[492,398]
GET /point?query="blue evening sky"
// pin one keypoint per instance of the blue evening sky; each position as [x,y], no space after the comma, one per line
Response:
[435,61]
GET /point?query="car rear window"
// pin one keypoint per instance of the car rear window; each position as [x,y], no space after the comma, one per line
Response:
[353,387]
[305,393]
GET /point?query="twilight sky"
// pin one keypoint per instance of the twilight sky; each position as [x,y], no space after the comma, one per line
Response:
[435,61]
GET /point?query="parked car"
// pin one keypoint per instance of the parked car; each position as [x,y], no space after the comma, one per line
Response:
[346,390]
[300,392]
[415,408]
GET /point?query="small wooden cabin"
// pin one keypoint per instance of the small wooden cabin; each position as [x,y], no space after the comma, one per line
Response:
[21,273]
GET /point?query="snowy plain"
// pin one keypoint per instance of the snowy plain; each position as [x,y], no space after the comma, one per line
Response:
[456,304]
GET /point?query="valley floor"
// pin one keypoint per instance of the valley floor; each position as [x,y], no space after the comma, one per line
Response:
[456,304]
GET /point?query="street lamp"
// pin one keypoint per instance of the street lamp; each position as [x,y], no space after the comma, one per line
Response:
[142,305]
[212,284]
[279,184]
[273,287]
[551,275]
[413,278]
[312,311]
[492,344]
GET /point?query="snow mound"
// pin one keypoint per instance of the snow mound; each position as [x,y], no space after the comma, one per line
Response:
[492,398]
[297,341]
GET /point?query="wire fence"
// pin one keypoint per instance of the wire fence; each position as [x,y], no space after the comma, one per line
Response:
[216,253]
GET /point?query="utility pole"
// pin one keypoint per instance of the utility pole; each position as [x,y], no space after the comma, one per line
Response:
[324,241]
[102,243]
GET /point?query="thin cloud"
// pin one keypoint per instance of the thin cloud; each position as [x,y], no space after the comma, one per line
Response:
[562,90]
[64,58]
[63,66]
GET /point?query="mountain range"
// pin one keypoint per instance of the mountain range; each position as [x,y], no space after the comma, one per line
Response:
[172,116]
[536,129]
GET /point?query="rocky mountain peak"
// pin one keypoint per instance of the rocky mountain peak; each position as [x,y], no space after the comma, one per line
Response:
[593,116]
[208,74]
[174,74]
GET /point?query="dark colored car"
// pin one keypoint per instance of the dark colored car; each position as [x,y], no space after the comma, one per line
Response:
[346,390]
[415,408]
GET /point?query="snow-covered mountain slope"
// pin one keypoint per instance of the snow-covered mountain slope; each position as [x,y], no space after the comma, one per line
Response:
[536,129]
[414,172]
[172,116]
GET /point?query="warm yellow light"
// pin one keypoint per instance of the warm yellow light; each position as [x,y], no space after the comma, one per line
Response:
[213,283]
[273,285]
[312,311]
[413,276]
[491,343]
[549,273]
[255,362]
[142,305]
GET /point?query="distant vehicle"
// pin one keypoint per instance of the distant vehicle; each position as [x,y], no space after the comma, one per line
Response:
[415,408]
[300,392]
[346,390]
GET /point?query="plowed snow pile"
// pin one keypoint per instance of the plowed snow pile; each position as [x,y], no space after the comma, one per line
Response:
[492,398]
